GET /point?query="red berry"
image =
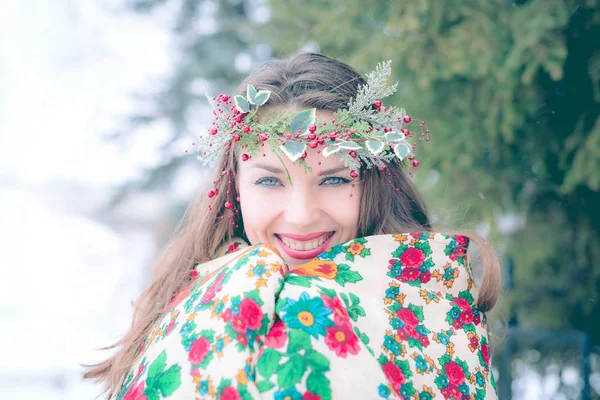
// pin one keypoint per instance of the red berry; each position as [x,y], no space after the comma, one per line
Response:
[352,154]
[320,140]
[353,174]
[228,205]
[311,136]
[407,119]
[263,137]
[213,131]
[377,104]
[236,137]
[246,128]
[245,157]
[303,155]
[225,97]
[313,145]
[333,135]
[312,128]
[211,193]
[415,163]
[388,129]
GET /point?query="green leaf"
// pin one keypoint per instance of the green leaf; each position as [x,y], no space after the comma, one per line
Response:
[297,280]
[327,292]
[417,310]
[303,120]
[169,381]
[264,386]
[348,145]
[158,365]
[402,150]
[293,149]
[241,103]
[251,94]
[298,340]
[344,298]
[316,361]
[465,294]
[375,146]
[349,257]
[318,384]
[268,362]
[223,384]
[345,275]
[262,97]
[329,150]
[291,372]
[355,299]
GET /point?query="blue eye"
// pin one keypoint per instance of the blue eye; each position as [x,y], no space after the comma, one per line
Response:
[267,182]
[334,181]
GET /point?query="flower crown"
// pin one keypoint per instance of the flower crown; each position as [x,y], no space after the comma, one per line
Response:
[365,134]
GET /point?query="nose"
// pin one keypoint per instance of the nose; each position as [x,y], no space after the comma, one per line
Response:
[301,208]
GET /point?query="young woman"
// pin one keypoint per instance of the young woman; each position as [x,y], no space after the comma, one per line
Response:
[310,269]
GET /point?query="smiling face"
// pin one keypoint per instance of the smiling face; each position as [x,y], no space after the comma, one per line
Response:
[304,218]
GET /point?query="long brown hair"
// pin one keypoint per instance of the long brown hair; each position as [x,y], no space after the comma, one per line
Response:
[304,81]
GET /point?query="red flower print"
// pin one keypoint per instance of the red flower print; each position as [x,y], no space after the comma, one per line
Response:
[226,315]
[230,393]
[194,274]
[466,317]
[455,373]
[276,337]
[310,396]
[251,313]
[136,392]
[456,324]
[412,257]
[242,339]
[407,316]
[340,314]
[402,334]
[454,392]
[476,319]
[453,256]
[410,274]
[394,374]
[462,240]
[239,324]
[424,340]
[426,277]
[462,303]
[182,295]
[233,247]
[485,353]
[474,342]
[199,350]
[411,331]
[342,340]
[170,327]
[209,295]
[445,392]
[460,251]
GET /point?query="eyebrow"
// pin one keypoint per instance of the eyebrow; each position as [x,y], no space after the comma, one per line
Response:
[275,170]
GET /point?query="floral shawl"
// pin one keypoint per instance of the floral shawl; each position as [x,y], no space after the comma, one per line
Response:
[380,317]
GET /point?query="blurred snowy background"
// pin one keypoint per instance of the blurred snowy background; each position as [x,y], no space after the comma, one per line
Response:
[69,272]
[73,74]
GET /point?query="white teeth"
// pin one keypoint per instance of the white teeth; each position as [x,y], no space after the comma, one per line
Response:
[304,245]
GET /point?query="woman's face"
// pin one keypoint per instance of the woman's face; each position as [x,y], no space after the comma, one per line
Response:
[304,218]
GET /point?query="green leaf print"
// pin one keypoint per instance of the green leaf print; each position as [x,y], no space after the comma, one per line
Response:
[401,249]
[297,280]
[316,361]
[418,310]
[268,362]
[346,275]
[424,247]
[264,386]
[318,384]
[468,327]
[291,372]
[224,383]
[298,340]
[159,380]
[327,292]
[465,294]
[350,257]
[254,295]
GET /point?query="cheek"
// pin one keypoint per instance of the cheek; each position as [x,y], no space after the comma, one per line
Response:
[256,214]
[345,211]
